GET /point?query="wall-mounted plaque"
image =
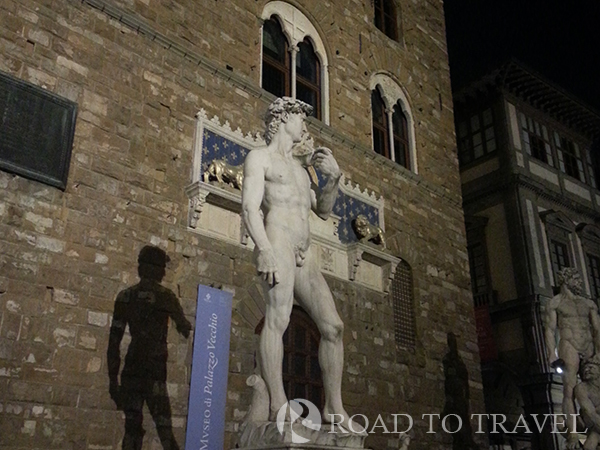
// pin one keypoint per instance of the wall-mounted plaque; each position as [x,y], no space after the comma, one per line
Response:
[36,131]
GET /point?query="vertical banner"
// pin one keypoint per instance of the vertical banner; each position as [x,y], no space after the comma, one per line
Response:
[210,363]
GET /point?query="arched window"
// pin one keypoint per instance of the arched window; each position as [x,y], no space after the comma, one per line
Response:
[294,58]
[301,370]
[401,155]
[276,59]
[386,17]
[392,123]
[402,296]
[308,77]
[380,125]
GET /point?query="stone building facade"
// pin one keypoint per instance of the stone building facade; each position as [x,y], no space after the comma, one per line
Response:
[140,71]
[529,170]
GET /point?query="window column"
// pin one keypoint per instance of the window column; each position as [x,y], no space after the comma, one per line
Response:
[390,122]
[293,54]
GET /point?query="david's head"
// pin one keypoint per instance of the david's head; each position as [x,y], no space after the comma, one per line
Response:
[286,110]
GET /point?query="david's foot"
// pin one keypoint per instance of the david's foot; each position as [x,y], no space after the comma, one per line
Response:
[341,422]
[274,411]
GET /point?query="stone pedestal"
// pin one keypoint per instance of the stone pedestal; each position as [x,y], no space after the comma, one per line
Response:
[266,435]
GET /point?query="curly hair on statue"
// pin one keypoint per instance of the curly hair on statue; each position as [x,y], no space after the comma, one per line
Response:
[279,109]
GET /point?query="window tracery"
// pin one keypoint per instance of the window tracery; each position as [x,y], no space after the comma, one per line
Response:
[392,122]
[294,60]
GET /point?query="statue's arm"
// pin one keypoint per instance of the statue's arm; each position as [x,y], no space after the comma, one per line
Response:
[252,196]
[324,198]
[550,323]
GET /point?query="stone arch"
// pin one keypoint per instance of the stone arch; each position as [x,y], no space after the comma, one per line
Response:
[297,27]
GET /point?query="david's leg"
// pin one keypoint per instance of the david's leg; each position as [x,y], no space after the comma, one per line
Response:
[314,295]
[277,317]
[331,359]
[271,355]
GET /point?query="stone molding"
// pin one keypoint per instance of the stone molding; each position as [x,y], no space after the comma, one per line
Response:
[366,252]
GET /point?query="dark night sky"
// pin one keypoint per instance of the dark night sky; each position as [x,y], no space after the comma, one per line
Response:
[560,39]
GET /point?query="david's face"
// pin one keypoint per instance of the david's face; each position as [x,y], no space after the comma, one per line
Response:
[295,126]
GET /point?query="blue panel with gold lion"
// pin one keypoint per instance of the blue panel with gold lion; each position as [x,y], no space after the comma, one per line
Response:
[219,147]
[347,207]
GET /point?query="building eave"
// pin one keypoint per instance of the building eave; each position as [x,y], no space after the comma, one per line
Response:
[528,85]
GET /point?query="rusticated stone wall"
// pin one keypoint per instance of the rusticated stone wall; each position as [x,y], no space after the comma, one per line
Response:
[139,71]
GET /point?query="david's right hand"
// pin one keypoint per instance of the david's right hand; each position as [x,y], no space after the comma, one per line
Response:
[267,267]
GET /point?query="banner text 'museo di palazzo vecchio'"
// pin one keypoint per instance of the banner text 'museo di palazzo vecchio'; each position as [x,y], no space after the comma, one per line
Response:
[208,387]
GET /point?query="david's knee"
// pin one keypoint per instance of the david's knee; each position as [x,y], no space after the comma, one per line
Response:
[277,323]
[333,332]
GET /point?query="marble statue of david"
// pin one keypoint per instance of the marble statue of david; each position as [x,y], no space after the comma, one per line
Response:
[276,182]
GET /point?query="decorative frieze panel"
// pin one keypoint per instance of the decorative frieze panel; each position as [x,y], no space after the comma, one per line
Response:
[215,206]
[370,266]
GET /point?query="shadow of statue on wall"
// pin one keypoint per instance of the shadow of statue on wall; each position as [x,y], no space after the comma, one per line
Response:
[456,389]
[145,308]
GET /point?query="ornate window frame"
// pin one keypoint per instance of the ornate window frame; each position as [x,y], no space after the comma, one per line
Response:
[392,94]
[297,27]
[559,232]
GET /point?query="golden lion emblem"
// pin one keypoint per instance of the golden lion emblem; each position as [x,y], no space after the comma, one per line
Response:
[365,231]
[225,173]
